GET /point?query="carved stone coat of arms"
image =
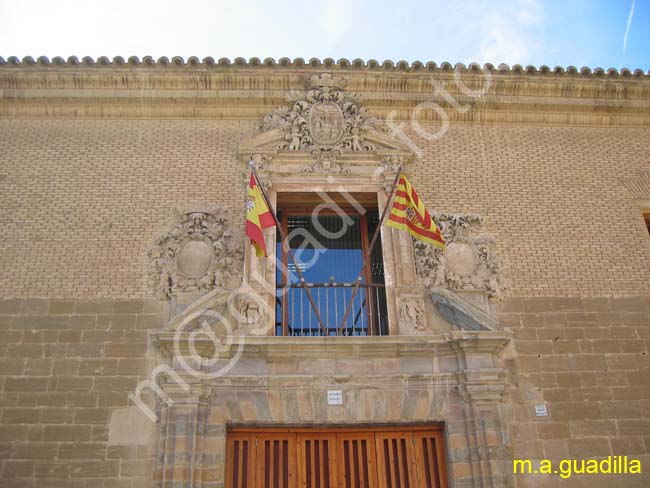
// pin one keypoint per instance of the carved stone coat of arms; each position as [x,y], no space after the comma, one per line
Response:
[326,123]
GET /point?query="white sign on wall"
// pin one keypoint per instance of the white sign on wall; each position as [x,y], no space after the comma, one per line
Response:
[540,410]
[334,397]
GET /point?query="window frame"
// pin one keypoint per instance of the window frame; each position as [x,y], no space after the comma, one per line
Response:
[285,211]
[397,249]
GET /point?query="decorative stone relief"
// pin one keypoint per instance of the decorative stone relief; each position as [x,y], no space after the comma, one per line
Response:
[324,121]
[196,255]
[411,314]
[254,315]
[259,161]
[325,166]
[250,312]
[393,162]
[467,264]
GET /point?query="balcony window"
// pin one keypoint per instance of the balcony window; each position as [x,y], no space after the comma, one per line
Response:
[329,246]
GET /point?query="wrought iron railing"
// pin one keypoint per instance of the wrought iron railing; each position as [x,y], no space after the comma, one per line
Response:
[367,317]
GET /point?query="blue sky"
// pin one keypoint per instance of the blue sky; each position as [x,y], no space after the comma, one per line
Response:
[552,32]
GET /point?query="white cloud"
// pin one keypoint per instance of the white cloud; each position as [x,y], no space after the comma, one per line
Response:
[333,19]
[159,28]
[507,32]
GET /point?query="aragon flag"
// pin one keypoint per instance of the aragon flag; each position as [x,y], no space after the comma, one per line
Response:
[258,217]
[408,213]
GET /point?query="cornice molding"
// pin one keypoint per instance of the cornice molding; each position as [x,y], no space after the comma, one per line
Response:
[172,343]
[248,90]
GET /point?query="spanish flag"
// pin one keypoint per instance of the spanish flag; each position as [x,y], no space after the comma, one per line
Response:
[258,217]
[408,213]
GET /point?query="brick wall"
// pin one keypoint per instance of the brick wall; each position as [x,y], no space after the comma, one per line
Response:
[564,225]
[66,366]
[83,199]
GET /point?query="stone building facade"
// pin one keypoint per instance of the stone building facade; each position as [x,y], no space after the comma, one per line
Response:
[139,329]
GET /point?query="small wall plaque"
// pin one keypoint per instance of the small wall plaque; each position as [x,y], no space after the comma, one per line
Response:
[334,397]
[540,410]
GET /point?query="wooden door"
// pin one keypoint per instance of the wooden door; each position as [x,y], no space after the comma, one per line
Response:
[240,459]
[336,458]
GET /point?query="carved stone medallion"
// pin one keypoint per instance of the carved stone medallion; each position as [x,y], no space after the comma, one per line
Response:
[326,123]
[461,258]
[194,258]
[468,264]
[196,255]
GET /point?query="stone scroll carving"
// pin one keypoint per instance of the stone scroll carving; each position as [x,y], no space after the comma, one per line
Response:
[324,121]
[196,255]
[468,263]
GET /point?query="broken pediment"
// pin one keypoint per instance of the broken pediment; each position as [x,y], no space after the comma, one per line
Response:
[459,313]
[327,124]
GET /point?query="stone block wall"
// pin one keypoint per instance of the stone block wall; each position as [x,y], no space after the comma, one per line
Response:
[588,360]
[66,368]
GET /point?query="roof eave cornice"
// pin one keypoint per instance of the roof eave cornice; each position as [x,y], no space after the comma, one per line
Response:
[249,89]
[327,63]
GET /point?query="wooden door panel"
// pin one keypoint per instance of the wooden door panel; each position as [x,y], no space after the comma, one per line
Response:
[276,460]
[396,460]
[430,462]
[240,458]
[357,461]
[317,460]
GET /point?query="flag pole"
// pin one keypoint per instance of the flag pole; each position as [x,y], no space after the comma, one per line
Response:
[288,249]
[369,250]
